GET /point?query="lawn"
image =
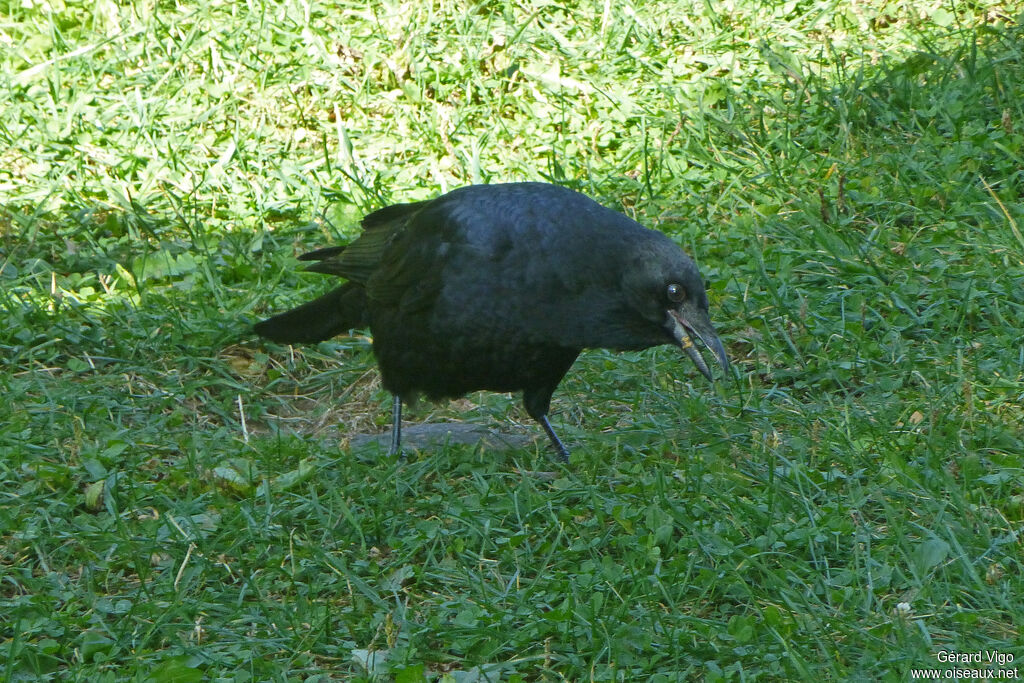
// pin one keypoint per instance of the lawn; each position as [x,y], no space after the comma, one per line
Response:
[180,501]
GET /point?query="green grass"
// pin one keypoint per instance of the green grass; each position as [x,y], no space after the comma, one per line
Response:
[847,506]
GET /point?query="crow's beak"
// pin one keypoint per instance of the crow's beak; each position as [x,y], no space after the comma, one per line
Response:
[685,328]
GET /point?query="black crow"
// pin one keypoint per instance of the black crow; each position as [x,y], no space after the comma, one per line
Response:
[500,287]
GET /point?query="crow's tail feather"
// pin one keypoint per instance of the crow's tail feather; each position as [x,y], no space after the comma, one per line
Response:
[339,311]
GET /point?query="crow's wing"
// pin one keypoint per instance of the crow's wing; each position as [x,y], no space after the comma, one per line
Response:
[410,263]
[359,260]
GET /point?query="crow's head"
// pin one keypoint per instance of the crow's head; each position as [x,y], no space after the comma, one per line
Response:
[666,289]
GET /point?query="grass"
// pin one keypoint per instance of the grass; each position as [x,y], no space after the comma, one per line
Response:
[847,506]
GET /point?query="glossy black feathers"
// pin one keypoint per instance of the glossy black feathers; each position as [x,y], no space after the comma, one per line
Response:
[496,287]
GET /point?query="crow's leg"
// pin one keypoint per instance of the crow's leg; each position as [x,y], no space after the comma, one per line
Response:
[563,452]
[396,426]
[537,402]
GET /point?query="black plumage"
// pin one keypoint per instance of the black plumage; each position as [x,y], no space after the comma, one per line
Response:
[500,287]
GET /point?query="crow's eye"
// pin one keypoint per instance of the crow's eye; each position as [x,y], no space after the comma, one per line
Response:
[675,293]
